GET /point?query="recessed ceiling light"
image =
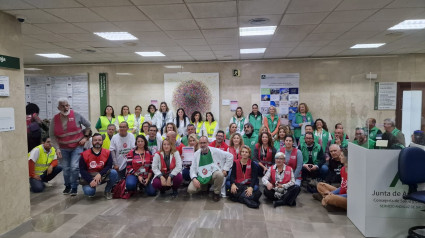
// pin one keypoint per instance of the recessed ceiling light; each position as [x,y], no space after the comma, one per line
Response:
[32,69]
[409,25]
[54,55]
[116,35]
[150,53]
[253,51]
[173,66]
[367,46]
[124,74]
[257,31]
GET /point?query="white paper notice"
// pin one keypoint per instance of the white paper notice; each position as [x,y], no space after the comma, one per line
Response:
[7,119]
[4,86]
[225,102]
[187,153]
[233,105]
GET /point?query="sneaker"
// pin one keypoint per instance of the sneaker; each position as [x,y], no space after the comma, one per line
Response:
[108,195]
[174,194]
[47,184]
[317,196]
[67,190]
[73,192]
[216,197]
[91,196]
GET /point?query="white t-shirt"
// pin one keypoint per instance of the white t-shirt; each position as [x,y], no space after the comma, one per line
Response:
[119,148]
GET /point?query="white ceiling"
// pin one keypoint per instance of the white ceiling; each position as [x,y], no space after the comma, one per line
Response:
[202,30]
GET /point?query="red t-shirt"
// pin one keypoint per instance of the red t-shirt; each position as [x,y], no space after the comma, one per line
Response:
[343,189]
[223,146]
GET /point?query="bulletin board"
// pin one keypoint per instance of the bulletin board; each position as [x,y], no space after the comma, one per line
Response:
[46,90]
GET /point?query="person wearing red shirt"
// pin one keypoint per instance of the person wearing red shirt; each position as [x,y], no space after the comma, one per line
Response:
[219,141]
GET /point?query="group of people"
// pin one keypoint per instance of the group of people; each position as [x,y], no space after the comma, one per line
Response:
[160,152]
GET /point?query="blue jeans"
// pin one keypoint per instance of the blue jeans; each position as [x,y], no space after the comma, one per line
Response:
[323,171]
[336,192]
[186,174]
[71,166]
[113,177]
[131,184]
[37,186]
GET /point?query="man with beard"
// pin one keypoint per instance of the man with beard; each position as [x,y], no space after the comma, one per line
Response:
[250,138]
[362,140]
[96,168]
[67,137]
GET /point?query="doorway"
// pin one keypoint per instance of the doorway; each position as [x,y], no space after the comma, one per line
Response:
[410,108]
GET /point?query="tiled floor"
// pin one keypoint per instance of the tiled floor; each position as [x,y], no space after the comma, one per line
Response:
[56,215]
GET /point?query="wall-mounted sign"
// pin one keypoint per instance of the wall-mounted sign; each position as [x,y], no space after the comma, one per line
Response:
[385,96]
[9,62]
[103,91]
[4,86]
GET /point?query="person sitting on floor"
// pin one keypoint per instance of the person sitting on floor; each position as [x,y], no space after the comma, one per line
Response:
[264,153]
[96,168]
[331,196]
[244,180]
[280,183]
[43,165]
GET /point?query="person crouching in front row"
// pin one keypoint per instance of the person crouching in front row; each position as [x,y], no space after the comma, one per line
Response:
[167,167]
[96,168]
[43,165]
[244,180]
[280,183]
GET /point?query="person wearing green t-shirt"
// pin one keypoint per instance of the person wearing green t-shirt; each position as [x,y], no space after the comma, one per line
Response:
[255,118]
[209,166]
[389,126]
[362,140]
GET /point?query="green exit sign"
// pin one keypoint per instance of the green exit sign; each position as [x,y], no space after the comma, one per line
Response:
[9,62]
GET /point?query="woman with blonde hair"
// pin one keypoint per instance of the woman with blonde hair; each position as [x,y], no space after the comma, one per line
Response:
[302,118]
[272,121]
[167,167]
[194,143]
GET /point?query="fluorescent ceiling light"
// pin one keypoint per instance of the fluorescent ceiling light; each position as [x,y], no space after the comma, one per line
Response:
[253,51]
[367,46]
[173,66]
[124,74]
[409,25]
[257,31]
[116,35]
[150,53]
[54,55]
[32,69]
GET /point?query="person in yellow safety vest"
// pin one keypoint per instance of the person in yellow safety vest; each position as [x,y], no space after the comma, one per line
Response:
[127,117]
[107,118]
[108,136]
[210,127]
[43,165]
[139,119]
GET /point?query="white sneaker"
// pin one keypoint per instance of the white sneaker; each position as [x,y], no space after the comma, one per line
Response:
[47,184]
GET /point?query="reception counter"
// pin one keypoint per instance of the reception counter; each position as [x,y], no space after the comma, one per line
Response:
[375,194]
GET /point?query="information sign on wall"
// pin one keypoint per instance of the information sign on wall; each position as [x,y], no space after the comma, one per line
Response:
[385,96]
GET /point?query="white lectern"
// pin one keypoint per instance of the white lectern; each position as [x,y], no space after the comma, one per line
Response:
[375,194]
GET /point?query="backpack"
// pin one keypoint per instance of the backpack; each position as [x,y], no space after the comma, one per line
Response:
[119,190]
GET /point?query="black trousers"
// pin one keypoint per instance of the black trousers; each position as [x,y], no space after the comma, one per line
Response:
[288,198]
